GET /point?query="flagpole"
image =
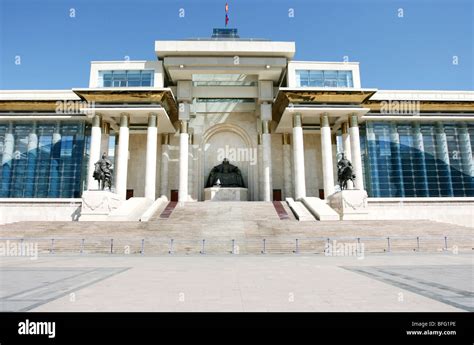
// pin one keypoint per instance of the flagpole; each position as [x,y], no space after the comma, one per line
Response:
[226,12]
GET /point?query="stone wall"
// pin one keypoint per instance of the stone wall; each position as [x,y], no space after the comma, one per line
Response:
[29,209]
[457,211]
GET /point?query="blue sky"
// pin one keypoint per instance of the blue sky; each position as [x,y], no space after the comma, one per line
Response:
[412,52]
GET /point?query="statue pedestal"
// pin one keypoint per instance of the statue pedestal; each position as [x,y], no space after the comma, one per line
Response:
[351,204]
[97,205]
[225,194]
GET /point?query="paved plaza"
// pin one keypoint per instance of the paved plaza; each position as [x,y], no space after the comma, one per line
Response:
[440,282]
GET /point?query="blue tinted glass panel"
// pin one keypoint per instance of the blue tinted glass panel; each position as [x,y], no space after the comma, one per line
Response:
[124,78]
[413,160]
[41,160]
[319,78]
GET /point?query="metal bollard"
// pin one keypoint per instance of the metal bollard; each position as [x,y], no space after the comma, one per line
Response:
[417,244]
[51,250]
[446,243]
[233,247]
[264,251]
[171,247]
[297,250]
[82,246]
[142,251]
[202,249]
[111,246]
[388,244]
[358,246]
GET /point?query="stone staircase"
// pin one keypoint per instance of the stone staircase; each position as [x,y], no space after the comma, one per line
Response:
[225,211]
[243,224]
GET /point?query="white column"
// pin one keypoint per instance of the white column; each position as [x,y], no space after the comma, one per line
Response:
[94,151]
[298,157]
[267,160]
[466,152]
[8,146]
[32,153]
[326,148]
[260,167]
[442,154]
[183,161]
[397,169]
[355,152]
[195,170]
[151,149]
[33,139]
[116,159]
[287,181]
[346,141]
[7,161]
[373,166]
[420,146]
[122,167]
[105,138]
[191,184]
[334,155]
[57,133]
[165,157]
[54,175]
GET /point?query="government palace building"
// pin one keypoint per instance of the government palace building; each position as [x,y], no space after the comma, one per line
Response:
[211,110]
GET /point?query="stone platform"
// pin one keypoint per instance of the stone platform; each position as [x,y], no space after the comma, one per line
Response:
[225,194]
[98,204]
[350,204]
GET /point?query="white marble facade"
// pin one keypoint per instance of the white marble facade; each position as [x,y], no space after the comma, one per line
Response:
[215,135]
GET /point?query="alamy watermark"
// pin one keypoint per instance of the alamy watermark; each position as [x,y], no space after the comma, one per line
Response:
[19,248]
[75,107]
[400,107]
[239,154]
[28,327]
[335,248]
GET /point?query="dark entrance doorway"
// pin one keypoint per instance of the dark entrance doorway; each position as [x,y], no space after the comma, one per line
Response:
[174,195]
[321,194]
[277,195]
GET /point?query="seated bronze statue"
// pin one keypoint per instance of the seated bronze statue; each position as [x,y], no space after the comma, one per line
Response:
[227,174]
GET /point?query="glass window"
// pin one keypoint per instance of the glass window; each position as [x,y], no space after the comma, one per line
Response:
[51,168]
[319,78]
[413,160]
[66,146]
[124,78]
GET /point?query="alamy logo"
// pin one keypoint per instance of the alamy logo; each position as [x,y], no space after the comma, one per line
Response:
[400,107]
[344,249]
[21,248]
[75,107]
[240,154]
[37,328]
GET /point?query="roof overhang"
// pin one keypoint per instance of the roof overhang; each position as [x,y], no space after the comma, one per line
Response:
[335,102]
[35,100]
[184,67]
[378,106]
[393,102]
[138,115]
[163,98]
[311,117]
[224,48]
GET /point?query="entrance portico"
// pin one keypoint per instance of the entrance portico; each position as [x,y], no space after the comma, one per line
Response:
[322,112]
[143,113]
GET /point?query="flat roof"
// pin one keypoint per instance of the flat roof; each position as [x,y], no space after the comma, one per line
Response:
[37,95]
[423,95]
[224,48]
